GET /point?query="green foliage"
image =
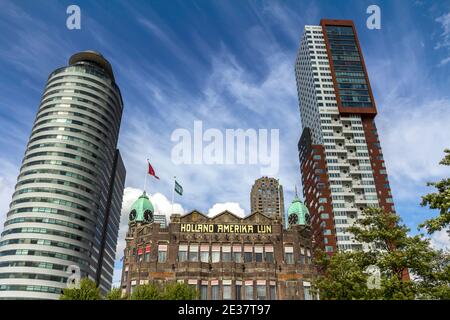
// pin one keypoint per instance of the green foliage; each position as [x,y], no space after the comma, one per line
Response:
[147,292]
[439,200]
[115,294]
[168,291]
[87,291]
[179,291]
[343,277]
[394,253]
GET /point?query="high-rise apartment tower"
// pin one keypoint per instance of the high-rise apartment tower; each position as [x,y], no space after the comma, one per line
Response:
[342,166]
[266,197]
[65,211]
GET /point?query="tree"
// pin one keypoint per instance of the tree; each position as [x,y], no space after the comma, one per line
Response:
[87,290]
[439,200]
[179,291]
[396,255]
[434,284]
[115,294]
[342,277]
[147,292]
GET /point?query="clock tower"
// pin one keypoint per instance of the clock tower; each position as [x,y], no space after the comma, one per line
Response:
[298,213]
[142,211]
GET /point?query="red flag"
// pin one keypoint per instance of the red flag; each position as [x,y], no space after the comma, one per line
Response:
[151,171]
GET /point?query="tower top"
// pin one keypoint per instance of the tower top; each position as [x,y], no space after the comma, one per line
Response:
[142,210]
[297,212]
[93,57]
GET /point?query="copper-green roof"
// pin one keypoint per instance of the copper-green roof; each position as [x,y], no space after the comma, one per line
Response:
[299,209]
[139,207]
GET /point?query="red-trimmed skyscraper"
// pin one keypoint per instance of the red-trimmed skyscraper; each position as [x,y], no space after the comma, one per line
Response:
[341,161]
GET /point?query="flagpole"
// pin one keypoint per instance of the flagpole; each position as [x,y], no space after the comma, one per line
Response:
[145,179]
[173,191]
[279,203]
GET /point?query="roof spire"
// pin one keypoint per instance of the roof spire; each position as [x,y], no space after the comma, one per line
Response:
[296,191]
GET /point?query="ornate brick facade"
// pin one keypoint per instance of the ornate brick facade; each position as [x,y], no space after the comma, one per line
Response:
[231,258]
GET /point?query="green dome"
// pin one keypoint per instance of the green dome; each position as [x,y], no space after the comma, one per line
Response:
[297,208]
[142,210]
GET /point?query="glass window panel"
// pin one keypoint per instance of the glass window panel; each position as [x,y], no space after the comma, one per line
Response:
[226,292]
[261,292]
[204,256]
[215,292]
[204,292]
[249,292]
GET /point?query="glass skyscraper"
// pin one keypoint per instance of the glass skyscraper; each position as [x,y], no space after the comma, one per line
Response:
[342,165]
[65,210]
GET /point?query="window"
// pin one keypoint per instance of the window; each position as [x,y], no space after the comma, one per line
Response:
[204,292]
[291,289]
[182,253]
[289,254]
[238,290]
[272,292]
[193,252]
[215,253]
[269,253]
[248,253]
[237,254]
[162,253]
[302,255]
[192,283]
[215,292]
[261,292]
[307,291]
[226,253]
[259,253]
[249,290]
[204,253]
[227,290]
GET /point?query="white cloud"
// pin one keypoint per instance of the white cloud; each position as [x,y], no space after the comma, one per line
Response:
[8,175]
[229,86]
[233,207]
[160,203]
[163,206]
[444,20]
[440,239]
[414,138]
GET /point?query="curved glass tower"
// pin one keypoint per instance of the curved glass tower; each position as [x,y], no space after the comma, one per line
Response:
[65,210]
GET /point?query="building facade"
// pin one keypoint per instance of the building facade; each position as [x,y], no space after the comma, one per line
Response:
[161,219]
[342,166]
[65,211]
[266,197]
[224,257]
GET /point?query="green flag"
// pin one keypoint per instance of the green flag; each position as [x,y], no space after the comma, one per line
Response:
[178,188]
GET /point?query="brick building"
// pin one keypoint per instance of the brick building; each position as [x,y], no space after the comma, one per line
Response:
[224,257]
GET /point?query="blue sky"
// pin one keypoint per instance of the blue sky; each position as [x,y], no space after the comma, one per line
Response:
[231,65]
